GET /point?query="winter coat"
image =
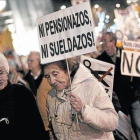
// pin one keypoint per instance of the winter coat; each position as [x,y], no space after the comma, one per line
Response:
[18,106]
[97,118]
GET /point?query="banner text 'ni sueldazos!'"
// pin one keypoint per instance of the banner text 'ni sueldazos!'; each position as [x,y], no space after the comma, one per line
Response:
[66,33]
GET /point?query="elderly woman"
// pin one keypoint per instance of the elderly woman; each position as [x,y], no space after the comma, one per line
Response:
[81,110]
[18,110]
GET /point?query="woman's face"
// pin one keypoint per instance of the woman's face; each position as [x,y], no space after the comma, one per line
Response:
[56,77]
[3,78]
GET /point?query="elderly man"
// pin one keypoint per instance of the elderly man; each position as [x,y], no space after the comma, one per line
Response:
[38,84]
[34,76]
[122,84]
[109,47]
[18,110]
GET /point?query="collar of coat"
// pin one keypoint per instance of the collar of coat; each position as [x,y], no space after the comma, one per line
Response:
[81,75]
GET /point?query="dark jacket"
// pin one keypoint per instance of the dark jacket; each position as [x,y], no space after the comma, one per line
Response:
[18,105]
[33,84]
[136,89]
[116,102]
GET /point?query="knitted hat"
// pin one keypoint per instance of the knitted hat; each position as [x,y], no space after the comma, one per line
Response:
[4,62]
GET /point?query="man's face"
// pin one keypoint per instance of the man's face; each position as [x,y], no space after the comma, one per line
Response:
[3,78]
[56,77]
[108,46]
[33,62]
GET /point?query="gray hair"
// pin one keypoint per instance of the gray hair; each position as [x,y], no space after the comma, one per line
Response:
[37,54]
[112,36]
[73,64]
[4,62]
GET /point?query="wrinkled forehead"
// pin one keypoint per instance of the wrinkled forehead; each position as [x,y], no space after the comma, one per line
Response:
[2,68]
[52,68]
[32,56]
[105,36]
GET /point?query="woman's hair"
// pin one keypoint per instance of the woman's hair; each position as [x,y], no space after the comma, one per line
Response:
[61,64]
[73,64]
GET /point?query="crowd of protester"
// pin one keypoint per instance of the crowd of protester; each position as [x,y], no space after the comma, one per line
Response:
[68,105]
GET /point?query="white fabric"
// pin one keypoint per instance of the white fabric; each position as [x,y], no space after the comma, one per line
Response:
[4,62]
[95,65]
[98,117]
[38,74]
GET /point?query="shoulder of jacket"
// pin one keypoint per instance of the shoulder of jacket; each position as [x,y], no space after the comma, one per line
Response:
[21,89]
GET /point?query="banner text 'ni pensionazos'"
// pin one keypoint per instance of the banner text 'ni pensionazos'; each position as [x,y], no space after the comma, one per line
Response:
[66,35]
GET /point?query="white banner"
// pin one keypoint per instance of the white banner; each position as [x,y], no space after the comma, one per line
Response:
[98,69]
[131,45]
[66,33]
[130,63]
[127,22]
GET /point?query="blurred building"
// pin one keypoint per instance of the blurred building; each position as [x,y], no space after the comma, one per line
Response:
[19,16]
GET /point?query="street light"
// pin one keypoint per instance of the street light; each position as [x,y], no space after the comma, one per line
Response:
[63,7]
[107,16]
[128,1]
[96,6]
[118,5]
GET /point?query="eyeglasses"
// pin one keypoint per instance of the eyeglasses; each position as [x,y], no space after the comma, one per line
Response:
[30,60]
[105,41]
[3,73]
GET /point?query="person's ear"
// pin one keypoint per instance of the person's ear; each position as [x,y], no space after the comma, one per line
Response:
[39,63]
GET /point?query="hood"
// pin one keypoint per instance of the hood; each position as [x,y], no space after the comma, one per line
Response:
[81,75]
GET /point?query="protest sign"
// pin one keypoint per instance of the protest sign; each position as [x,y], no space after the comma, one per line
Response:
[66,33]
[131,45]
[124,18]
[130,63]
[99,68]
